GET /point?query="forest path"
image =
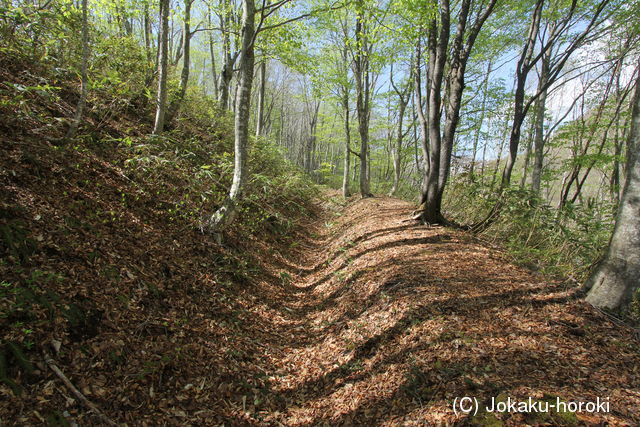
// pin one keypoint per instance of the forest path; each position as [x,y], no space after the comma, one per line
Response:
[387,322]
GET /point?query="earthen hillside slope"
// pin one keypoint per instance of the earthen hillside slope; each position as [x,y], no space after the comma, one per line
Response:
[313,311]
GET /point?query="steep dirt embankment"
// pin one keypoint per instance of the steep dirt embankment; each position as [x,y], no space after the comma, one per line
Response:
[103,265]
[393,321]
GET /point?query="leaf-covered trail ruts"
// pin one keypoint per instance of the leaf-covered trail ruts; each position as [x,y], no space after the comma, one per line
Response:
[386,322]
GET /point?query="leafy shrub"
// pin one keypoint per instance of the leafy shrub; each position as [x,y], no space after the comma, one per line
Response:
[562,243]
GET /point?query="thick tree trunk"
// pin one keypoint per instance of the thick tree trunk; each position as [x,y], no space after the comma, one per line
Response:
[361,74]
[441,143]
[615,281]
[73,129]
[161,98]
[438,44]
[227,212]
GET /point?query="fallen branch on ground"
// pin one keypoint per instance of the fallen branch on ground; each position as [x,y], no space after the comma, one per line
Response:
[51,364]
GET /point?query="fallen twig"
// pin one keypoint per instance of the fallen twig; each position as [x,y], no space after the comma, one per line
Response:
[49,361]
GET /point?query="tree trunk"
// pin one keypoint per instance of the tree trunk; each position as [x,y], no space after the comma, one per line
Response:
[483,104]
[71,133]
[615,281]
[524,65]
[527,155]
[214,73]
[226,73]
[424,125]
[184,74]
[541,102]
[260,118]
[147,32]
[227,212]
[361,74]
[161,98]
[397,151]
[311,140]
[347,145]
[441,143]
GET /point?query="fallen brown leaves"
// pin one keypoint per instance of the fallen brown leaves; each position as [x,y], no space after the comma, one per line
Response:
[357,317]
[399,320]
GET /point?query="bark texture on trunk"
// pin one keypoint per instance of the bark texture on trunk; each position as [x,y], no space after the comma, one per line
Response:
[161,98]
[260,115]
[615,282]
[228,211]
[228,59]
[347,148]
[441,142]
[361,74]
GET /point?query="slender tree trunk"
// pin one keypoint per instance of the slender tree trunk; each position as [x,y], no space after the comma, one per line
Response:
[226,73]
[73,129]
[214,72]
[347,145]
[527,156]
[227,212]
[615,281]
[397,151]
[311,140]
[184,74]
[536,175]
[523,67]
[476,139]
[259,118]
[147,32]
[161,98]
[424,125]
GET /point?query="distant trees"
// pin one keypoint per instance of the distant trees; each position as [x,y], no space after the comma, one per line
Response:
[404,96]
[560,31]
[449,101]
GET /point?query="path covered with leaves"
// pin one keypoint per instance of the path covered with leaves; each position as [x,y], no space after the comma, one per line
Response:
[387,322]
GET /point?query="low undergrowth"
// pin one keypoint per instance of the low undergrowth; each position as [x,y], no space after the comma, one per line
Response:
[563,243]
